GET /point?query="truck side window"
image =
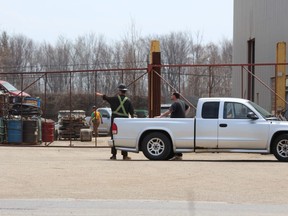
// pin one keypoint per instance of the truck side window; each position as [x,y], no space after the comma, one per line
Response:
[235,111]
[229,112]
[210,110]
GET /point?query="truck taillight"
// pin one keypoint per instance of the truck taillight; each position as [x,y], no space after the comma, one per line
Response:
[114,129]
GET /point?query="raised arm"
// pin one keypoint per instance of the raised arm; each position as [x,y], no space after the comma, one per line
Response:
[99,94]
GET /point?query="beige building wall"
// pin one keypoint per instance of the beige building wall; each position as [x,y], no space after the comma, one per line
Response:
[266,22]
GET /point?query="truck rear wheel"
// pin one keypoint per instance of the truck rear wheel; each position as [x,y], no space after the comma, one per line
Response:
[280,148]
[156,146]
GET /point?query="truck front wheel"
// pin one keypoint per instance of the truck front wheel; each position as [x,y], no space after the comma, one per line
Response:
[280,148]
[156,146]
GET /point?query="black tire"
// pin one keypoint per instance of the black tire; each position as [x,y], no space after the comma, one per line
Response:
[280,148]
[156,146]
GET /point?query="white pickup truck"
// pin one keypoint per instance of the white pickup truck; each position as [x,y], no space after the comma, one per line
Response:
[220,125]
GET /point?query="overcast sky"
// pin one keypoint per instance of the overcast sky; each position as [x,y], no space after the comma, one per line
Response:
[46,20]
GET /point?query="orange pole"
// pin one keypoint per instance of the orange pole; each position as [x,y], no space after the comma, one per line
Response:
[280,77]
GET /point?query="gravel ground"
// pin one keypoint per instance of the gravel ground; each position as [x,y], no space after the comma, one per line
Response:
[32,172]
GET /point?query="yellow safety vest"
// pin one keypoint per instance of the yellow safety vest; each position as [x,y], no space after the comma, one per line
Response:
[97,116]
[121,106]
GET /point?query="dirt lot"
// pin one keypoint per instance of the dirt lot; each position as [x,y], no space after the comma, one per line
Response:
[87,173]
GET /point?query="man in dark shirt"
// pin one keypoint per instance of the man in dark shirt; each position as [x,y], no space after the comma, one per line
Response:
[121,107]
[178,109]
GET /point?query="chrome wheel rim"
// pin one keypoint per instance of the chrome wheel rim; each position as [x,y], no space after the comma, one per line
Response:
[155,146]
[282,148]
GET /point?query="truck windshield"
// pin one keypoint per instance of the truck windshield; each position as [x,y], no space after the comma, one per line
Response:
[261,110]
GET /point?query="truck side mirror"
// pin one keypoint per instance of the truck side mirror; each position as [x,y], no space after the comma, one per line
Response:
[252,116]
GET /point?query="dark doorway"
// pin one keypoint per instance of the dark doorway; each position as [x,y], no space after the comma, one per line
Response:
[251,60]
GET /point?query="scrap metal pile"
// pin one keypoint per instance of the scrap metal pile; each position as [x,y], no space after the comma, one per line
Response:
[20,119]
[70,124]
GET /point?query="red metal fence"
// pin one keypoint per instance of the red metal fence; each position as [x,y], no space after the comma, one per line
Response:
[75,90]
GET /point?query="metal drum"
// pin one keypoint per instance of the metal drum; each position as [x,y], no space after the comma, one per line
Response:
[48,128]
[14,131]
[30,131]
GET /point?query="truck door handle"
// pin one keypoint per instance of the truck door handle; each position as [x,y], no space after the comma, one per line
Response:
[223,125]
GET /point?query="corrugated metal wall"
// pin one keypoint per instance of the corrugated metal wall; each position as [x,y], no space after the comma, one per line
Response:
[266,21]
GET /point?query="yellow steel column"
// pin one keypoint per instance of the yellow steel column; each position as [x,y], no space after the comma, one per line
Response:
[154,81]
[280,77]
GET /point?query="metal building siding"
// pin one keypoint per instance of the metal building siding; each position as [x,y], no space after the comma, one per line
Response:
[240,36]
[264,20]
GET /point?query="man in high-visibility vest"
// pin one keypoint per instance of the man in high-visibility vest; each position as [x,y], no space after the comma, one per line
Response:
[121,107]
[95,120]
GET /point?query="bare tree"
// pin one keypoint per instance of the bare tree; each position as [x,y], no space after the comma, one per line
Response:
[93,52]
[218,77]
[175,49]
[56,59]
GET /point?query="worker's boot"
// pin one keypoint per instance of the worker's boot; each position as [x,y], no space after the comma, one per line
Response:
[113,157]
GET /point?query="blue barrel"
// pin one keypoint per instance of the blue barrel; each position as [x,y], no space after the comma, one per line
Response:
[1,130]
[14,131]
